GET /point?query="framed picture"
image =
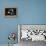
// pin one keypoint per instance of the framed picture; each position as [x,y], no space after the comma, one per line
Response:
[11,12]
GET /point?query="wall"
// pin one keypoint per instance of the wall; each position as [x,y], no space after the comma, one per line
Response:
[29,12]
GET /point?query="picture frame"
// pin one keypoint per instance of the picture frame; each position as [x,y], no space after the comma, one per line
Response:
[11,12]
